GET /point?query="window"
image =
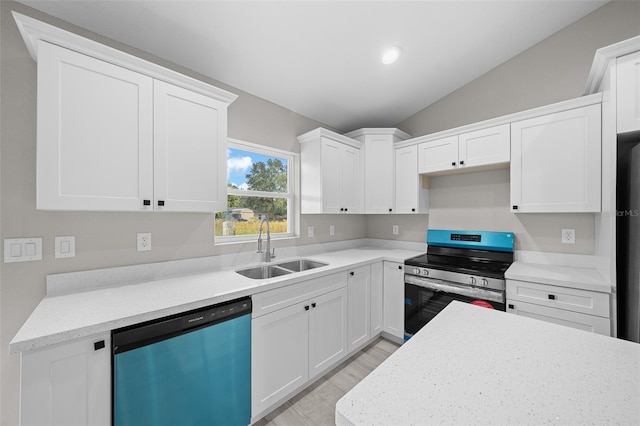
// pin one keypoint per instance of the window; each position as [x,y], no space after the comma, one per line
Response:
[259,182]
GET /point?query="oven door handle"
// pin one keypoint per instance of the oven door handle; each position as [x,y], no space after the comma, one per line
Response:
[473,292]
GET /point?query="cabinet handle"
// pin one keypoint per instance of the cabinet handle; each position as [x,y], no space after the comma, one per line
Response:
[98,345]
[346,209]
[514,207]
[306,307]
[462,162]
[552,297]
[399,266]
[341,209]
[413,210]
[160,203]
[390,210]
[511,306]
[313,305]
[146,202]
[453,163]
[352,273]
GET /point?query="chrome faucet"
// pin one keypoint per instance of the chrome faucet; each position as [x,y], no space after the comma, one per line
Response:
[268,254]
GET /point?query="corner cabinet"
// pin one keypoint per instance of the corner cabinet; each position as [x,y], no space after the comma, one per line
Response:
[67,384]
[331,173]
[628,93]
[555,162]
[118,133]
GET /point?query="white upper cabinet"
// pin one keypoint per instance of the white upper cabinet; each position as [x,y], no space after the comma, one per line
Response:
[95,133]
[190,156]
[438,155]
[379,167]
[485,147]
[478,150]
[331,173]
[411,197]
[118,133]
[628,92]
[555,162]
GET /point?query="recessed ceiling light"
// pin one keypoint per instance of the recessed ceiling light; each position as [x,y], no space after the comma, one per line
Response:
[391,55]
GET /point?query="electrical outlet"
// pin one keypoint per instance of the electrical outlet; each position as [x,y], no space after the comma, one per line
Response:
[568,236]
[310,231]
[144,241]
[395,229]
[332,230]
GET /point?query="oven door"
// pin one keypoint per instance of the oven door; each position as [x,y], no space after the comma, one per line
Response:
[424,299]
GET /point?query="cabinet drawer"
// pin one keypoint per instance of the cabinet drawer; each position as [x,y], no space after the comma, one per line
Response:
[570,299]
[279,298]
[577,320]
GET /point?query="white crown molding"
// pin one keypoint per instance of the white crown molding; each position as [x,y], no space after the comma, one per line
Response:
[397,133]
[321,132]
[34,31]
[602,58]
[507,119]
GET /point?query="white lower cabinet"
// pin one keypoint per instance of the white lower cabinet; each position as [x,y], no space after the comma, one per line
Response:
[572,307]
[377,300]
[394,299]
[359,285]
[67,384]
[297,332]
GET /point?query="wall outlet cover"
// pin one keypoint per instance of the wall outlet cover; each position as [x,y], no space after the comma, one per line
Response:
[568,236]
[396,230]
[22,249]
[144,241]
[310,232]
[65,247]
[332,230]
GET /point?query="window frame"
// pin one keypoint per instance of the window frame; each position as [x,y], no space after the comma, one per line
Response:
[292,194]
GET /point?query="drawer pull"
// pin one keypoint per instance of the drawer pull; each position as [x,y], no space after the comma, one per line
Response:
[552,297]
[313,305]
[98,345]
[511,306]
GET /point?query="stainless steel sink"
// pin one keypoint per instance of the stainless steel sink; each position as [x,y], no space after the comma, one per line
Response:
[262,272]
[301,265]
[278,269]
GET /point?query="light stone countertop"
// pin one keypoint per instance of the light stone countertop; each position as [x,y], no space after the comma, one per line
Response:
[563,276]
[476,366]
[63,318]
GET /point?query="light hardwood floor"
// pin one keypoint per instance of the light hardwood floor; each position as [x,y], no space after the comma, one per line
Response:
[316,405]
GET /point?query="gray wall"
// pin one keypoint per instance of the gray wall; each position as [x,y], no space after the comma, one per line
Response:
[555,69]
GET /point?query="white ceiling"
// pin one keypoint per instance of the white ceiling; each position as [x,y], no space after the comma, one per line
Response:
[321,59]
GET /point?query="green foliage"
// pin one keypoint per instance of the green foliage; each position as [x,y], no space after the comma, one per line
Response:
[269,177]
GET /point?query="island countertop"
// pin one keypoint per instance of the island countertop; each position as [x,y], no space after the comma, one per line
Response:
[472,365]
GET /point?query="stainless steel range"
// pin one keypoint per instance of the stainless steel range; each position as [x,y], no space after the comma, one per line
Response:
[468,266]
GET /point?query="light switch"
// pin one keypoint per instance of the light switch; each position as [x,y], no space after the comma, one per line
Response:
[65,247]
[22,249]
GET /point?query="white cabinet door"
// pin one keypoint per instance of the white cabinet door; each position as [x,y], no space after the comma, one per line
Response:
[555,162]
[379,181]
[95,134]
[327,331]
[571,319]
[394,299]
[190,155]
[628,92]
[331,158]
[359,286]
[411,197]
[438,155]
[279,355]
[68,384]
[484,147]
[350,184]
[377,279]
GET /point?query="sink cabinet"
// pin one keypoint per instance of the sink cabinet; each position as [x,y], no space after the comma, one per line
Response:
[298,332]
[67,384]
[556,162]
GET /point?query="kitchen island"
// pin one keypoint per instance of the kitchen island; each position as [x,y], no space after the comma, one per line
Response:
[472,365]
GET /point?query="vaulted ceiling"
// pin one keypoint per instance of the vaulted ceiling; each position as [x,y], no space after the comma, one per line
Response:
[322,59]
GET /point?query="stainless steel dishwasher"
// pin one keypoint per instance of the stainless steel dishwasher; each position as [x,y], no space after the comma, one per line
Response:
[188,369]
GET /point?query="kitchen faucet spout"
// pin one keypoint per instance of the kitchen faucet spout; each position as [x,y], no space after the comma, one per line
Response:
[268,254]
